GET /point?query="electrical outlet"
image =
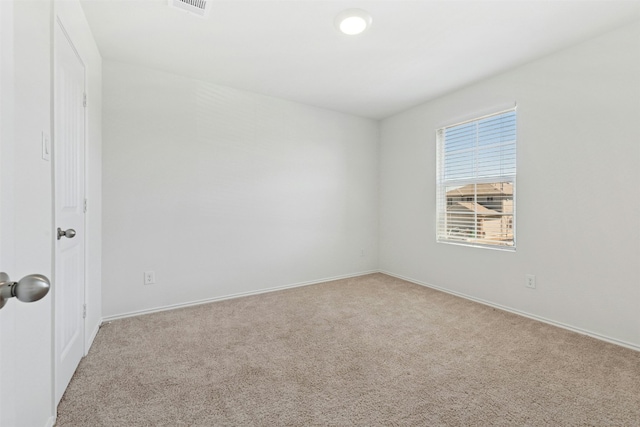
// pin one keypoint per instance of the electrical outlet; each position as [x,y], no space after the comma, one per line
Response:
[149,277]
[530,281]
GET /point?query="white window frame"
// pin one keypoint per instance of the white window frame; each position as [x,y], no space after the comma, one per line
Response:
[442,184]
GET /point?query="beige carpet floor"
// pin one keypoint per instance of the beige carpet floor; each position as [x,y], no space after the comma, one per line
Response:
[372,350]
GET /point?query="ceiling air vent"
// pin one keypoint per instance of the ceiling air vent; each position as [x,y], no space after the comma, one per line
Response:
[197,7]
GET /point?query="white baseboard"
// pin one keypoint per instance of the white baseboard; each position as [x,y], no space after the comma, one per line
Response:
[232,296]
[518,312]
[50,422]
[362,273]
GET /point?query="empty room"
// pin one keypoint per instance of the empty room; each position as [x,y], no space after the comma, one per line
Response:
[319,212]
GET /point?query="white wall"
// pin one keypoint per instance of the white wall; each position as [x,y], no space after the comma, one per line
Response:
[221,191]
[70,14]
[578,179]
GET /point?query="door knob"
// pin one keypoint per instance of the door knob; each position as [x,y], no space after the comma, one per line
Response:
[30,288]
[70,233]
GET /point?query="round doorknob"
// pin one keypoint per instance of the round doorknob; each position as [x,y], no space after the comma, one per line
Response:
[70,233]
[30,288]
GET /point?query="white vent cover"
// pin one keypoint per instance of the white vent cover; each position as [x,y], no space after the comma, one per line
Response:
[197,7]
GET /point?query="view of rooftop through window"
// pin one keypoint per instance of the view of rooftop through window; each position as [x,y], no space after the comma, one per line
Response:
[476,181]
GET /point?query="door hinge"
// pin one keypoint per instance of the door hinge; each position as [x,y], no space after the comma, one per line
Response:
[84,208]
[84,311]
[84,99]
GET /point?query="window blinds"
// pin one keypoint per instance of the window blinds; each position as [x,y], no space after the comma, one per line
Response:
[476,168]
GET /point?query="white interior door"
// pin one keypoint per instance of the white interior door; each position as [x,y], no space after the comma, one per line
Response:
[6,253]
[69,144]
[26,351]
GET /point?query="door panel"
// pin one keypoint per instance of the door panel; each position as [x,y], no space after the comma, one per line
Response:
[70,298]
[6,238]
[69,140]
[26,242]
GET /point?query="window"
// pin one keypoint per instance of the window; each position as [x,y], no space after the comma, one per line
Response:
[476,182]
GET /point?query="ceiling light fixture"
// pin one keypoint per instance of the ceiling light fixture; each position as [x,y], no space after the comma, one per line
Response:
[353,21]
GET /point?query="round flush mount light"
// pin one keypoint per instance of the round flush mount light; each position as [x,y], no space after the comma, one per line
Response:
[353,21]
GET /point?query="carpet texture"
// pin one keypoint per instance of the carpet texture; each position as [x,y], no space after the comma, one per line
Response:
[371,350]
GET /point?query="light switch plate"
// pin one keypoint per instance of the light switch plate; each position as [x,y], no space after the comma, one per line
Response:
[46,146]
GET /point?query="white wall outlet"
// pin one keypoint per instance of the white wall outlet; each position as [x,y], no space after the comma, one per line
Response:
[530,281]
[149,277]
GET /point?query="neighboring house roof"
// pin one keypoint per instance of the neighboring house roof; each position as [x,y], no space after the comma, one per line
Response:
[471,207]
[493,189]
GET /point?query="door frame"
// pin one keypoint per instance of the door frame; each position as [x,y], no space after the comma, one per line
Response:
[58,22]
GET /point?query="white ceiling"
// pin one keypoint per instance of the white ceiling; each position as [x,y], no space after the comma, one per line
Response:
[413,52]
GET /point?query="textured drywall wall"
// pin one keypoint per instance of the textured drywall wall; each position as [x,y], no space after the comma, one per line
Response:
[220,191]
[578,177]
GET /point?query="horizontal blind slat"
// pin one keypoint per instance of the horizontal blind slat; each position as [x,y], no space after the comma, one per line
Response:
[476,166]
